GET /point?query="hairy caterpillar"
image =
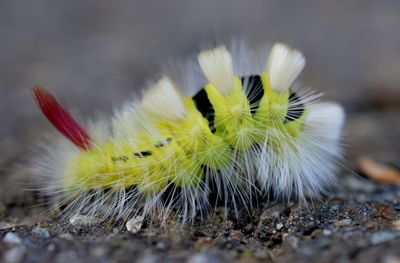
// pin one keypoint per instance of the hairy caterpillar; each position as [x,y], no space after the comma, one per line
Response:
[245,131]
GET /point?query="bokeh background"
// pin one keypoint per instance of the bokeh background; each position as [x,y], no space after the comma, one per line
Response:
[95,54]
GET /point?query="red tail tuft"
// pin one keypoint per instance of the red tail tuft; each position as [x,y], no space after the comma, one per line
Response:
[61,119]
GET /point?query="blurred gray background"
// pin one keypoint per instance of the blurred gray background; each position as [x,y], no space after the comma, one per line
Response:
[93,54]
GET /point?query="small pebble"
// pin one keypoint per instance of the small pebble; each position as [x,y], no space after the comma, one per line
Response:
[344,222]
[279,226]
[41,232]
[82,220]
[381,237]
[135,224]
[12,239]
[15,255]
[327,232]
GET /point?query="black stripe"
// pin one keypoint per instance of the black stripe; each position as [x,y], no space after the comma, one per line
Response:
[295,109]
[120,158]
[254,89]
[163,143]
[143,154]
[204,106]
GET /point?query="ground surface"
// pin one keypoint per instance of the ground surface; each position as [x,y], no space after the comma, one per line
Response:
[96,54]
[361,227]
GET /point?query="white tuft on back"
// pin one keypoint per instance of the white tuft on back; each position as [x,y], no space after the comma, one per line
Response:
[218,69]
[283,66]
[326,119]
[164,100]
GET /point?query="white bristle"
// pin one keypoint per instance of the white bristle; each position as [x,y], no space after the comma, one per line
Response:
[283,66]
[217,67]
[164,100]
[326,117]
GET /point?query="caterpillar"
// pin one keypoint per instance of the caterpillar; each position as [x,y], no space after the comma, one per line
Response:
[233,129]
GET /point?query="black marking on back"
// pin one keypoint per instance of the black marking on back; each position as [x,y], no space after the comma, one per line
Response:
[143,154]
[163,143]
[120,158]
[296,107]
[254,89]
[204,106]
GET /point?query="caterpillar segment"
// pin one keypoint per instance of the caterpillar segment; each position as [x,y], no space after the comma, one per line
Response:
[236,136]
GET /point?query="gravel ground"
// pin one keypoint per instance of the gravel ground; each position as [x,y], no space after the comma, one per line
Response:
[339,229]
[95,54]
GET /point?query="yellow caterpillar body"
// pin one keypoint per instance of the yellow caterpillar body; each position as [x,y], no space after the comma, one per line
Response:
[237,135]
